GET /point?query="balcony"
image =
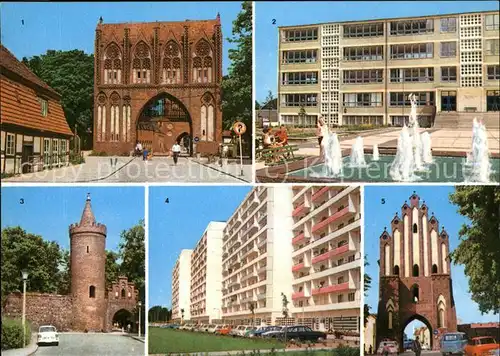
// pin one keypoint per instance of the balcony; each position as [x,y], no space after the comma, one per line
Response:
[298,267]
[233,283]
[262,270]
[297,295]
[248,299]
[249,252]
[302,208]
[319,193]
[331,253]
[253,202]
[261,296]
[237,221]
[262,243]
[252,229]
[299,238]
[330,289]
[224,255]
[330,219]
[248,276]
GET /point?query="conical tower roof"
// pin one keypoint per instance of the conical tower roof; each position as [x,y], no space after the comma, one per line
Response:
[88,218]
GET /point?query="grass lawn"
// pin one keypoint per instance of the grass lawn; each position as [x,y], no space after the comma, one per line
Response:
[162,341]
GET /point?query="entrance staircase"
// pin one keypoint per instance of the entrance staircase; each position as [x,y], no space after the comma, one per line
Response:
[463,120]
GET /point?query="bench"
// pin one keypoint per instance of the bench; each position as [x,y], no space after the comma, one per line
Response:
[470,109]
[278,155]
[211,150]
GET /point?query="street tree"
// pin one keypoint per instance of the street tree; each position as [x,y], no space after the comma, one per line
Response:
[112,267]
[366,287]
[479,247]
[237,85]
[71,74]
[132,255]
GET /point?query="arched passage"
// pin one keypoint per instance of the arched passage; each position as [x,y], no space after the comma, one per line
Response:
[425,336]
[122,318]
[161,121]
[185,141]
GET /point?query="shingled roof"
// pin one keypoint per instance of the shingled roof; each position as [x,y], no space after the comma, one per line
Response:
[20,94]
[9,62]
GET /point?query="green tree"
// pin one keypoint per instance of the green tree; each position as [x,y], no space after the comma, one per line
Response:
[71,74]
[257,105]
[269,97]
[366,287]
[159,314]
[64,287]
[479,247]
[112,267]
[43,260]
[237,85]
[132,255]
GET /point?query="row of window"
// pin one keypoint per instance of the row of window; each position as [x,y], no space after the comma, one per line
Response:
[50,146]
[396,28]
[363,76]
[300,100]
[305,56]
[299,78]
[362,99]
[371,53]
[169,76]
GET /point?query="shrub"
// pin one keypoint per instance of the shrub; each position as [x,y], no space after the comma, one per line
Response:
[12,333]
[98,153]
[346,351]
[76,159]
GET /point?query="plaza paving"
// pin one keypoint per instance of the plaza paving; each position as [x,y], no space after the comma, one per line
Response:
[450,140]
[128,169]
[76,344]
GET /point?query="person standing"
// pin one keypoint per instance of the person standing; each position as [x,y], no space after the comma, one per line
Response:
[417,347]
[145,154]
[138,148]
[176,151]
[320,132]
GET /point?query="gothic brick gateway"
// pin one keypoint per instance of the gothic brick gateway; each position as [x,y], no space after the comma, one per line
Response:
[415,276]
[157,83]
[90,306]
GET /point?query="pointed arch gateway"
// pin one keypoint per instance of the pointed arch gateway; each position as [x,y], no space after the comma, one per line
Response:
[160,123]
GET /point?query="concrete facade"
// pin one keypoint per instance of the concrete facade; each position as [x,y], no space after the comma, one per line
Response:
[415,276]
[361,72]
[181,287]
[206,275]
[157,83]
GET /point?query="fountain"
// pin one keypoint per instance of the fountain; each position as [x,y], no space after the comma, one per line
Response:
[358,154]
[376,155]
[477,167]
[426,147]
[414,149]
[332,154]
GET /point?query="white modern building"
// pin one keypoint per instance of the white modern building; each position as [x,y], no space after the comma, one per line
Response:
[257,264]
[181,286]
[327,256]
[206,275]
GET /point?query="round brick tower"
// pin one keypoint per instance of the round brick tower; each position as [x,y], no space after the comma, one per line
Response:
[88,261]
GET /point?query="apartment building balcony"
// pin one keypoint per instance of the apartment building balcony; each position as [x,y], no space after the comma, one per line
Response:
[248,299]
[238,221]
[301,209]
[330,219]
[298,295]
[300,237]
[342,287]
[250,252]
[262,270]
[300,266]
[331,253]
[262,243]
[224,255]
[233,284]
[251,229]
[253,202]
[248,276]
[319,193]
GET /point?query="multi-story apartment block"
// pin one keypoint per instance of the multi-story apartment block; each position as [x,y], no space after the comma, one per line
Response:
[206,275]
[181,287]
[257,264]
[327,256]
[361,72]
[301,243]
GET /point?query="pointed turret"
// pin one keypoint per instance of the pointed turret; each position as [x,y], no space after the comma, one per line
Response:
[88,218]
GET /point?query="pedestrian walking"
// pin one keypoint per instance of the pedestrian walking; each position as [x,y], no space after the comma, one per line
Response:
[145,153]
[176,151]
[417,347]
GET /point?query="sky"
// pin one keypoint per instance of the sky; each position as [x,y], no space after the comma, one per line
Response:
[309,12]
[378,216]
[48,211]
[68,26]
[179,224]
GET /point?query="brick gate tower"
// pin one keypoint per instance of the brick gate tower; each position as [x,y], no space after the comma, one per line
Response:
[415,277]
[88,261]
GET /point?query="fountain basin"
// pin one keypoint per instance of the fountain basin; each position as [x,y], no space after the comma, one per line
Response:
[442,169]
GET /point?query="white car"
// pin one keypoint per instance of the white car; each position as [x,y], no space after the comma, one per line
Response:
[47,334]
[391,346]
[238,331]
[211,328]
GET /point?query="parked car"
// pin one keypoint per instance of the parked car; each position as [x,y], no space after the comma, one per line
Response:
[47,334]
[301,333]
[273,332]
[248,330]
[453,343]
[218,328]
[391,345]
[238,330]
[482,345]
[211,328]
[258,331]
[225,330]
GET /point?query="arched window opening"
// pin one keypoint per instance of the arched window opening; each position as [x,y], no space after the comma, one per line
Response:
[415,293]
[87,249]
[434,268]
[390,320]
[123,293]
[202,63]
[92,292]
[141,64]
[396,270]
[112,65]
[415,228]
[171,64]
[441,317]
[415,270]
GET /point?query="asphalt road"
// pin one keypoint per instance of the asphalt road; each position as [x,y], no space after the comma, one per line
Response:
[76,344]
[424,353]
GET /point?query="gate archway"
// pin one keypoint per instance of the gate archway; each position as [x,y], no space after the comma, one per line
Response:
[424,321]
[161,120]
[122,318]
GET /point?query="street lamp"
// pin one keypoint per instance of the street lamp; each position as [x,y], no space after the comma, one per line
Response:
[25,278]
[139,304]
